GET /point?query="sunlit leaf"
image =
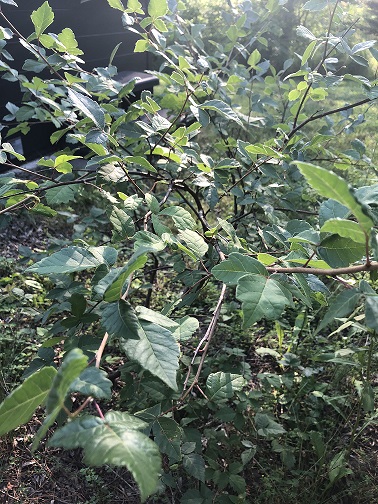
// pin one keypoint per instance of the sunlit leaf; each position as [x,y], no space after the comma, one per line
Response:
[19,406]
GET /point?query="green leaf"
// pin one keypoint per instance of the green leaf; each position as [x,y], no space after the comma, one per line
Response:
[61,194]
[156,351]
[316,5]
[120,321]
[194,242]
[235,267]
[115,290]
[339,252]
[254,58]
[93,382]
[116,4]
[330,185]
[341,306]
[266,426]
[308,52]
[261,297]
[67,260]
[222,385]
[337,467]
[371,312]
[116,440]
[331,209]
[222,108]
[141,161]
[141,45]
[19,406]
[104,254]
[168,435]
[345,228]
[73,364]
[42,18]
[157,8]
[88,107]
[123,226]
[181,217]
[194,465]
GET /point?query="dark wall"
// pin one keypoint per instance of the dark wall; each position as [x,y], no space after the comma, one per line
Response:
[98,29]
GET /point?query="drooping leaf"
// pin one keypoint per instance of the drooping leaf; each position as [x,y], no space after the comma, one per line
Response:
[113,291]
[181,217]
[221,108]
[73,364]
[120,321]
[339,252]
[194,465]
[260,297]
[116,440]
[93,382]
[331,209]
[341,306]
[371,312]
[220,386]
[266,426]
[88,107]
[42,18]
[10,2]
[156,351]
[330,185]
[337,467]
[236,266]
[123,226]
[168,435]
[67,260]
[344,228]
[60,194]
[19,406]
[141,161]
[194,242]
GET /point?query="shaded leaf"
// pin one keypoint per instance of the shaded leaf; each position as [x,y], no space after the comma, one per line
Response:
[156,351]
[93,382]
[88,107]
[222,385]
[120,321]
[168,435]
[194,242]
[115,440]
[194,465]
[266,426]
[73,364]
[181,217]
[341,306]
[260,297]
[338,251]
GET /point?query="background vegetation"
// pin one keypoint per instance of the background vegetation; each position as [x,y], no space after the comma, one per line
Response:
[196,303]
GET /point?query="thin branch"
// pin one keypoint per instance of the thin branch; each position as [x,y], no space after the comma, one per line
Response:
[208,337]
[349,270]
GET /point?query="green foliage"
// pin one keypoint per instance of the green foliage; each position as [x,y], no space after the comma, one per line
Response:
[188,210]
